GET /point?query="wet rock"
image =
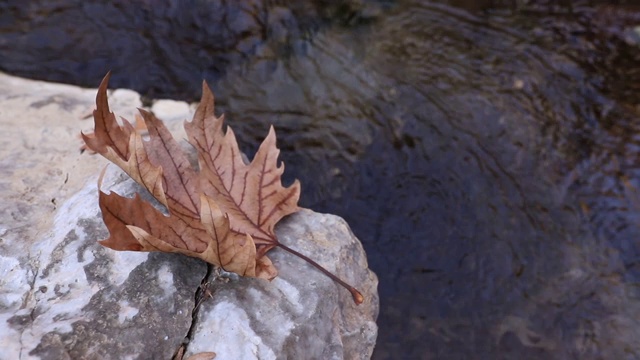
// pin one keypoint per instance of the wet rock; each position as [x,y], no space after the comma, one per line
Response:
[63,296]
[170,45]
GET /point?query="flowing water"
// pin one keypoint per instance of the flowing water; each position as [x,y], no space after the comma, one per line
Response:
[485,152]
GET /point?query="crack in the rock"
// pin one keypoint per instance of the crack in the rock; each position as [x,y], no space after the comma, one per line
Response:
[25,303]
[201,293]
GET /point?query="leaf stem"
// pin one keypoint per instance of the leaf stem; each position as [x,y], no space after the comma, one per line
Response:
[357,296]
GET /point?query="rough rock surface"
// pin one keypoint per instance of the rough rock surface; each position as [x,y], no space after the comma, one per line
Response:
[301,314]
[63,296]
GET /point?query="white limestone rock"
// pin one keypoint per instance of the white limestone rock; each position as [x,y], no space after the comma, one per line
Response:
[301,314]
[63,296]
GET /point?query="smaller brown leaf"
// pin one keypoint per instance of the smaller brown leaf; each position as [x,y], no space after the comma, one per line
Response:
[202,356]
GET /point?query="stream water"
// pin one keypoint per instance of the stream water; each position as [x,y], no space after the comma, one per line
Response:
[485,152]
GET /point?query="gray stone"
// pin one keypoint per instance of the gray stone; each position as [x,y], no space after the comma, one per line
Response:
[63,296]
[301,314]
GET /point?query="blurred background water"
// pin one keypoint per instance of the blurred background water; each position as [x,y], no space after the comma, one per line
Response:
[485,152]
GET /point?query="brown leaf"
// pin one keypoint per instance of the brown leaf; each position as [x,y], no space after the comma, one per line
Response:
[195,225]
[252,194]
[199,356]
[202,356]
[225,213]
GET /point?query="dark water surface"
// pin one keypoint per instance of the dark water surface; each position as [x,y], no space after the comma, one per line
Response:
[486,155]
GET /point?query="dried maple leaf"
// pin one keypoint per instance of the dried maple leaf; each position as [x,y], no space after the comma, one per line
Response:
[195,225]
[225,213]
[251,194]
